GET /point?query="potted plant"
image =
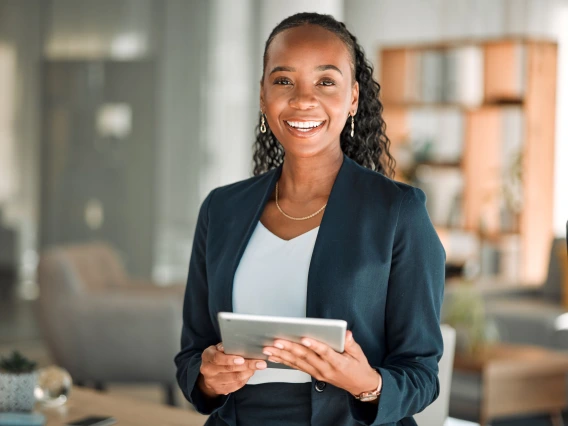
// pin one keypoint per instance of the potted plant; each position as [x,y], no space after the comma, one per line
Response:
[18,378]
[465,311]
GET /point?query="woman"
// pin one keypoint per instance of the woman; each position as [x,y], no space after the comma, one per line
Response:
[319,231]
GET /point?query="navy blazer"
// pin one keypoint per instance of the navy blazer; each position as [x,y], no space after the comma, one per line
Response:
[377,263]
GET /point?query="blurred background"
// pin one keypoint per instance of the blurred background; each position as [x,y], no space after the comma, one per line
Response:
[117,117]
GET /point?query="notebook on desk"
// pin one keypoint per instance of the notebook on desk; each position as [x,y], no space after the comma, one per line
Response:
[23,419]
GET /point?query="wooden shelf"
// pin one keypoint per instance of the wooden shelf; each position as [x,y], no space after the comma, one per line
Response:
[441,164]
[452,105]
[465,42]
[511,113]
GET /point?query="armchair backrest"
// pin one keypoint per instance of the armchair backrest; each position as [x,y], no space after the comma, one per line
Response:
[553,288]
[77,268]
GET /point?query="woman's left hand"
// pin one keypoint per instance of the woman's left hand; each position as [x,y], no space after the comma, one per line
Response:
[350,370]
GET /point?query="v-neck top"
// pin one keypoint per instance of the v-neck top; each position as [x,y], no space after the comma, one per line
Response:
[272,279]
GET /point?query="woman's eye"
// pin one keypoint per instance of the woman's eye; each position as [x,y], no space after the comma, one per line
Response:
[327,82]
[282,81]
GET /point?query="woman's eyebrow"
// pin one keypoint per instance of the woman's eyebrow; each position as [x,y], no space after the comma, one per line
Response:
[328,67]
[318,68]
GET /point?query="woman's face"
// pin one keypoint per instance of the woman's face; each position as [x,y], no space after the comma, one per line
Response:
[308,89]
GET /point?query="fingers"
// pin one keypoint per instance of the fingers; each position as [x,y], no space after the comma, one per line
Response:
[224,373]
[222,363]
[352,347]
[298,356]
[290,360]
[321,349]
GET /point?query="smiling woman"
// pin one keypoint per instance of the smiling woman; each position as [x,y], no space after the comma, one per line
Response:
[321,230]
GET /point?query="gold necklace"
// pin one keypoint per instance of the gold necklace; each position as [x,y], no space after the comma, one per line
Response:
[296,218]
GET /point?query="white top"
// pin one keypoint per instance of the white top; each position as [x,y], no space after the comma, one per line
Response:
[272,279]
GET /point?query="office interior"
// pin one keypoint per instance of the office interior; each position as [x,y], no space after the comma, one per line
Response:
[117,117]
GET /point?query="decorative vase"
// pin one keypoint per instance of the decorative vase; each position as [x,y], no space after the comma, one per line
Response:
[53,386]
[17,391]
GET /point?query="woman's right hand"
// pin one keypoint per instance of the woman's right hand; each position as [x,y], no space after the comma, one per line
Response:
[222,374]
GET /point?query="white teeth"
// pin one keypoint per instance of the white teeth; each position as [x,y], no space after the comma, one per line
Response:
[304,125]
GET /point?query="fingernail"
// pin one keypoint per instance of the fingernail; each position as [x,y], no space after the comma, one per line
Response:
[261,365]
[221,348]
[275,362]
[267,353]
[306,342]
[279,345]
[239,361]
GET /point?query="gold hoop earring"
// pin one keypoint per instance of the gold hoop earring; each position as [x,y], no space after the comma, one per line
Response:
[352,125]
[262,124]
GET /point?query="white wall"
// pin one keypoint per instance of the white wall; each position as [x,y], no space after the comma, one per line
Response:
[398,21]
[183,51]
[228,94]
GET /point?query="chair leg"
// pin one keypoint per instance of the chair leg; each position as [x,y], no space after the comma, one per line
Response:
[170,395]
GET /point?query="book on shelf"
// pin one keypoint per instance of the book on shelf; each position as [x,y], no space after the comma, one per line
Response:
[441,129]
[444,76]
[443,188]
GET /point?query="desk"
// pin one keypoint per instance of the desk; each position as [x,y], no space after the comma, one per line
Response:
[518,380]
[127,411]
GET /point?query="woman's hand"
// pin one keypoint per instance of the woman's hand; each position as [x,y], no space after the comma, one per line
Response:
[222,374]
[350,370]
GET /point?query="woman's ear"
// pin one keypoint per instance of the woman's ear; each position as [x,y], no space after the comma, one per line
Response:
[355,97]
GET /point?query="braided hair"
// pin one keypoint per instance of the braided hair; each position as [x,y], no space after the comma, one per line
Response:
[369,147]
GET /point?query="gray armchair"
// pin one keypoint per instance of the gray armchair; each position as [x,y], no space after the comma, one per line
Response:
[522,315]
[104,327]
[535,316]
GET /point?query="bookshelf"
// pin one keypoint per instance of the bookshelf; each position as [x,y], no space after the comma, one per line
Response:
[472,123]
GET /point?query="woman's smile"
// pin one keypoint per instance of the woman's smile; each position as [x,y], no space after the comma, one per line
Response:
[304,129]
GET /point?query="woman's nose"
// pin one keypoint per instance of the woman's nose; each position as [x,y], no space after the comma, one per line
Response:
[303,98]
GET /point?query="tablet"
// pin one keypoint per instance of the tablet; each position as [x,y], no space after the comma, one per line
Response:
[246,335]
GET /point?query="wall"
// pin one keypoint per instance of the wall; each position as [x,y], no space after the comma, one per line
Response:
[21,32]
[181,155]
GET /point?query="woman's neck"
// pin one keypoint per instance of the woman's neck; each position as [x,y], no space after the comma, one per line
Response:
[306,178]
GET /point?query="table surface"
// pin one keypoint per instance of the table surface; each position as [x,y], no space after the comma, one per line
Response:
[512,358]
[127,411]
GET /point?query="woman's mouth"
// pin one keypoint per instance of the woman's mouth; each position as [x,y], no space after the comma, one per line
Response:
[304,128]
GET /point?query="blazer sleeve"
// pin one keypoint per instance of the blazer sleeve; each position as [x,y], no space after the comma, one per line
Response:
[412,319]
[198,332]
